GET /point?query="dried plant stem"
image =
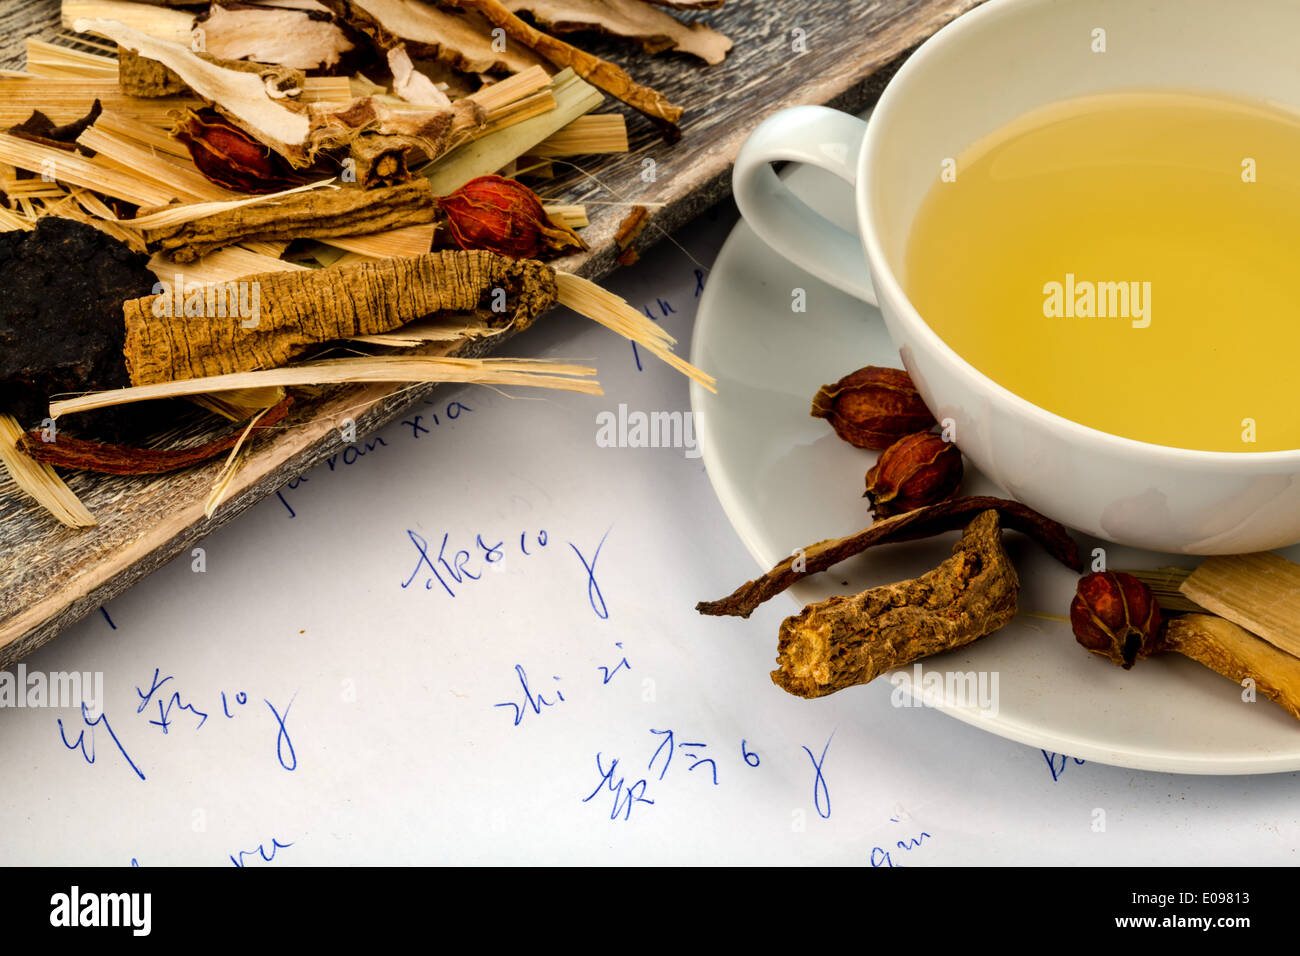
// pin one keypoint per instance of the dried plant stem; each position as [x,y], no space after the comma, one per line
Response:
[588,299]
[40,481]
[396,368]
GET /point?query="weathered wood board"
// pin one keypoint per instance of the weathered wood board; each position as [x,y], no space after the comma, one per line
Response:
[51,576]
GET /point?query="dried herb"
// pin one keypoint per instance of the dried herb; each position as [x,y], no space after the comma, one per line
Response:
[655,30]
[112,459]
[317,214]
[873,407]
[631,227]
[61,291]
[845,641]
[1115,615]
[1261,592]
[921,523]
[599,72]
[229,157]
[1235,653]
[39,128]
[195,334]
[506,217]
[914,471]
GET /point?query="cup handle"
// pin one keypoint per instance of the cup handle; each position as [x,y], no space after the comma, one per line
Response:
[822,137]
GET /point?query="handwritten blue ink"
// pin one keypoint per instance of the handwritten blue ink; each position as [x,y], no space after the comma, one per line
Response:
[699,282]
[608,673]
[80,742]
[624,800]
[701,760]
[164,711]
[534,702]
[104,611]
[594,597]
[292,513]
[821,793]
[667,742]
[260,851]
[743,752]
[241,698]
[1056,769]
[282,736]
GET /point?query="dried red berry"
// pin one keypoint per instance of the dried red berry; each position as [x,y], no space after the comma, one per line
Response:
[1115,615]
[229,157]
[914,471]
[873,407]
[506,217]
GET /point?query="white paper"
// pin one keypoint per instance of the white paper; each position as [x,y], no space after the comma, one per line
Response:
[323,697]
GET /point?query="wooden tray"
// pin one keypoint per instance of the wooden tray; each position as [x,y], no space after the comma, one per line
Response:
[51,576]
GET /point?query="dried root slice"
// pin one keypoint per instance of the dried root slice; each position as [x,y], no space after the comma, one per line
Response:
[316,214]
[630,19]
[1261,592]
[263,106]
[110,459]
[921,523]
[846,641]
[40,481]
[299,310]
[600,72]
[1237,654]
[461,39]
[299,39]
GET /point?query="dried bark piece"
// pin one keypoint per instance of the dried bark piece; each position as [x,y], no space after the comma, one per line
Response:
[61,289]
[111,459]
[380,160]
[302,309]
[317,214]
[1237,654]
[631,227]
[460,38]
[262,103]
[629,19]
[140,76]
[921,523]
[39,128]
[599,72]
[845,641]
[301,39]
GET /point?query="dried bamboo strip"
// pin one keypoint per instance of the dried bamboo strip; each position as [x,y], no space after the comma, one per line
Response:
[76,170]
[41,482]
[601,133]
[51,60]
[222,266]
[600,305]
[534,373]
[64,100]
[573,98]
[186,183]
[573,215]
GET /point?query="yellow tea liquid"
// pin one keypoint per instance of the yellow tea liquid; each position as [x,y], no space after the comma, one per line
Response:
[1128,261]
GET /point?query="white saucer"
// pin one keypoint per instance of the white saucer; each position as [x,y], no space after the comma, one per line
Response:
[785,480]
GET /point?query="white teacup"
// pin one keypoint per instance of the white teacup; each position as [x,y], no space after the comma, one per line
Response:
[983,70]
